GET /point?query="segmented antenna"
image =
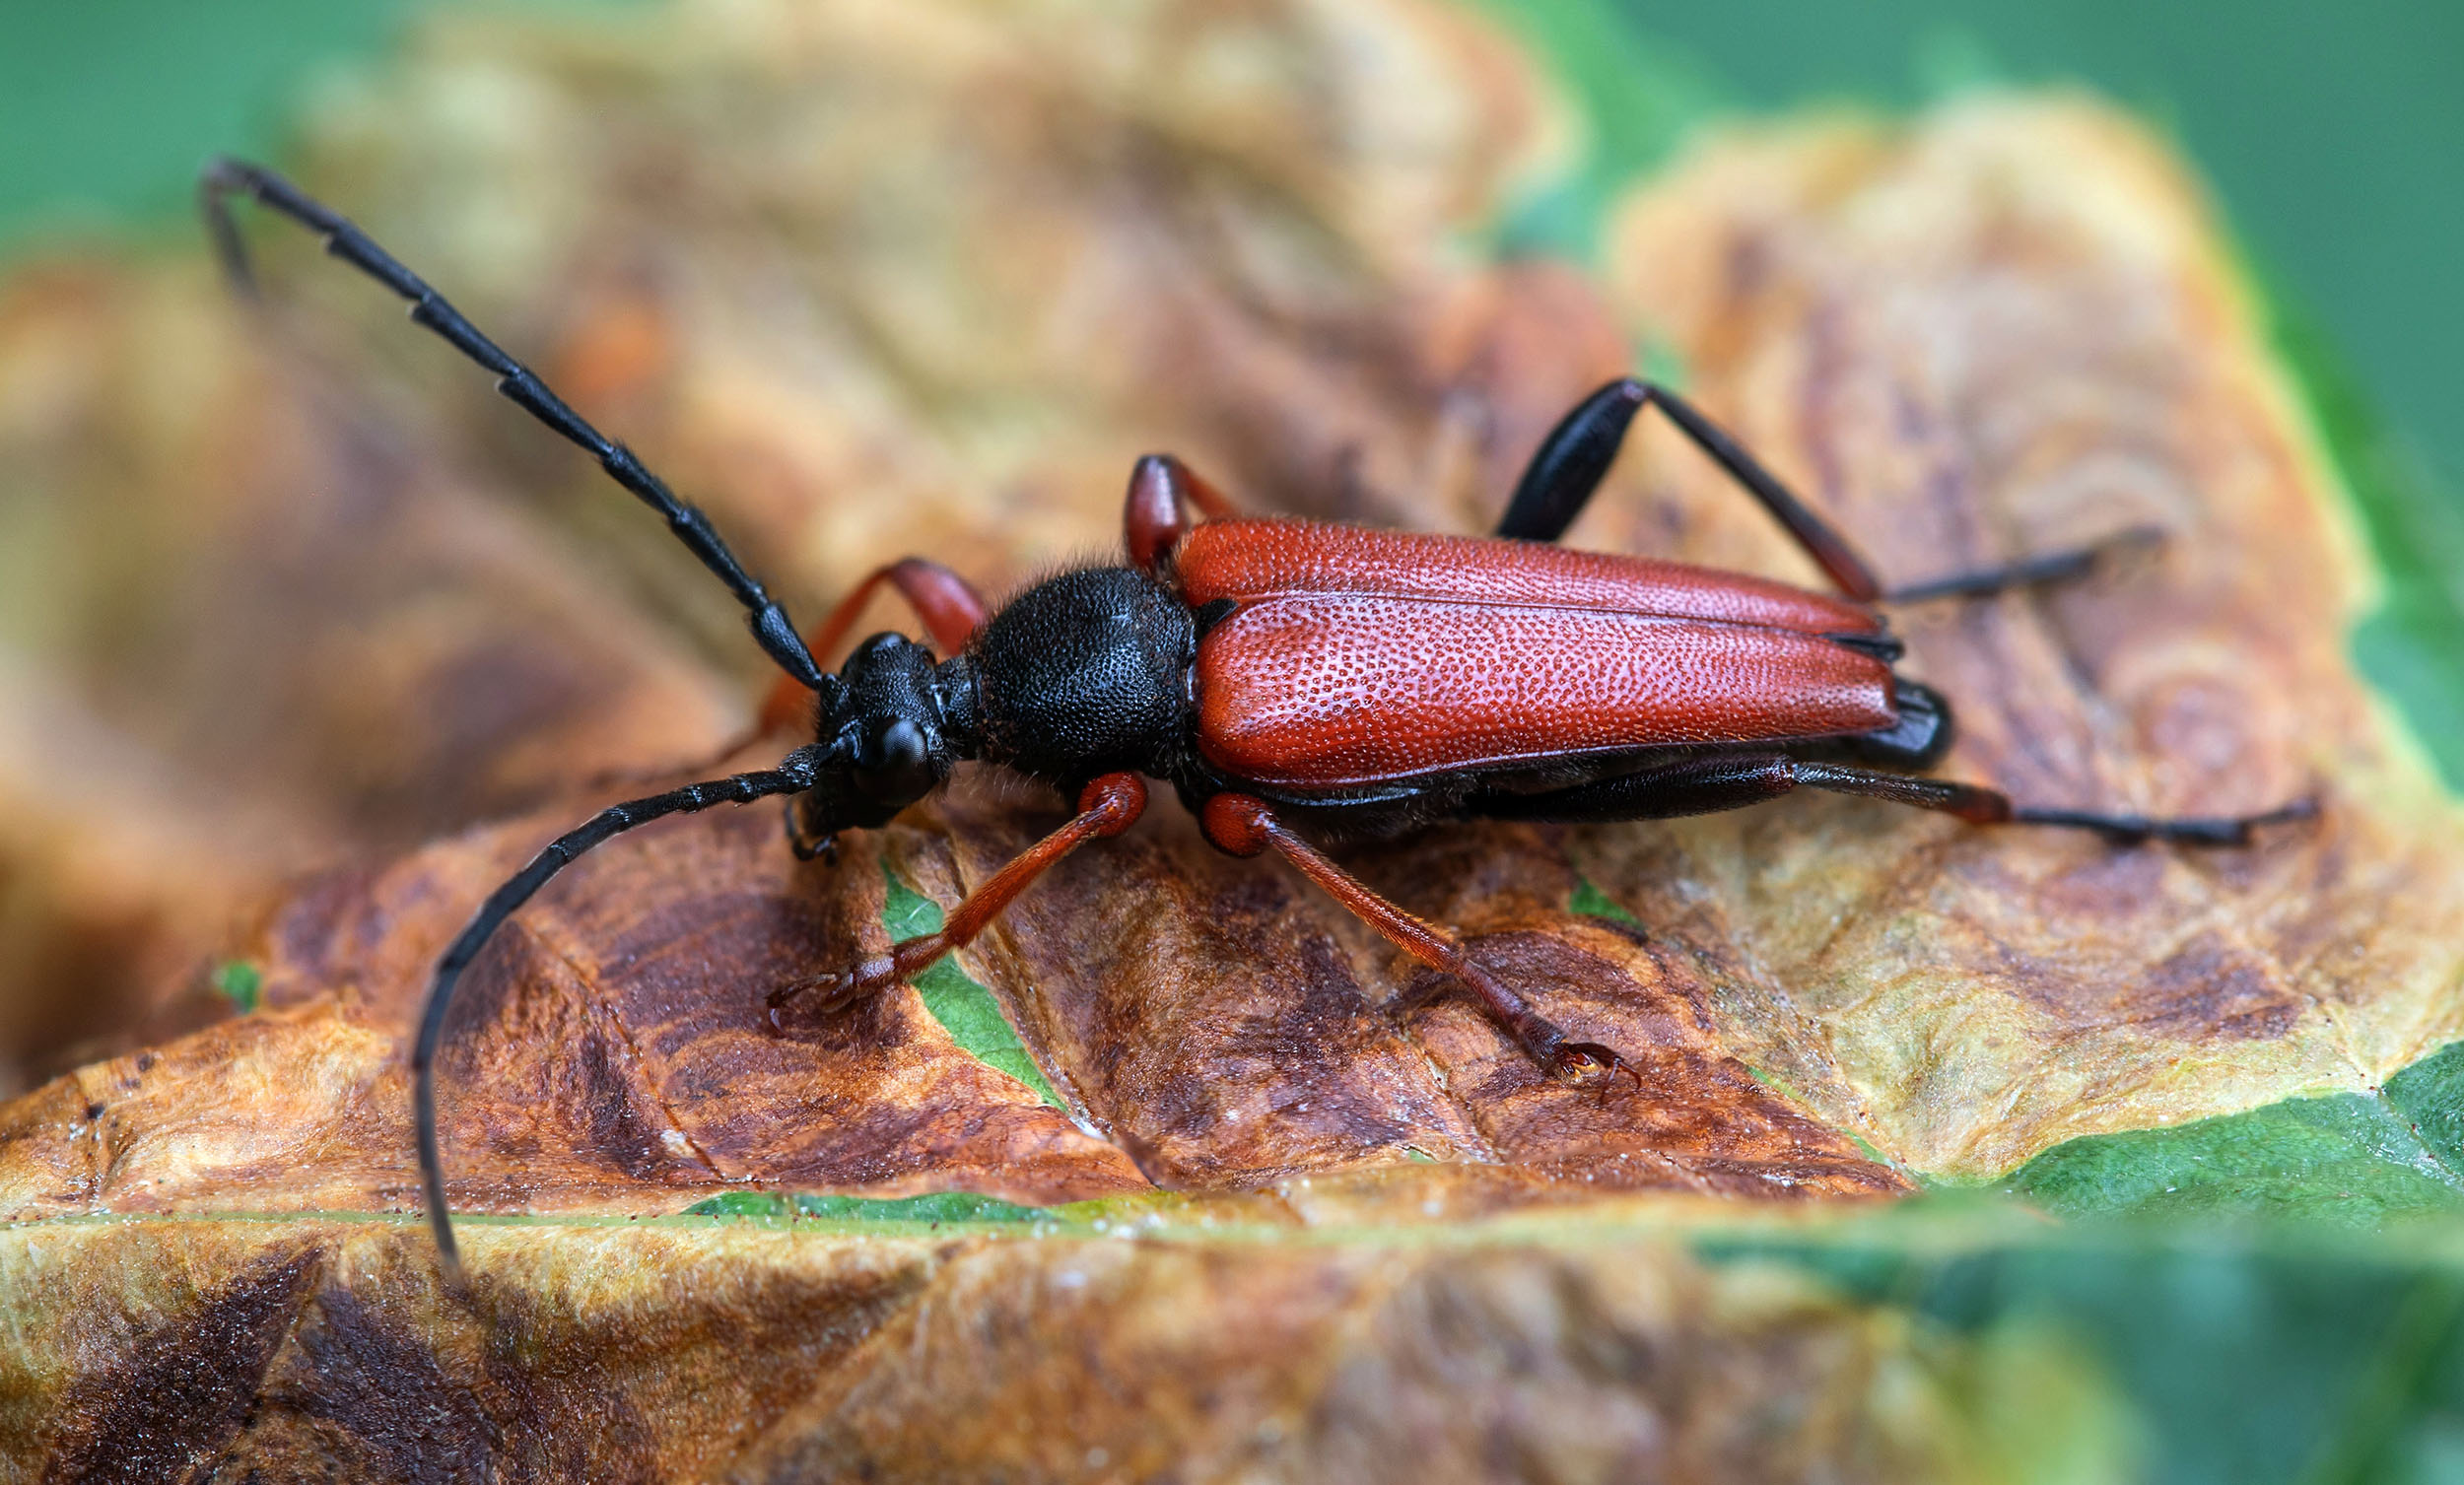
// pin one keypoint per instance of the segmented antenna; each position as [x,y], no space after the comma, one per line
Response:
[793,774]
[520,386]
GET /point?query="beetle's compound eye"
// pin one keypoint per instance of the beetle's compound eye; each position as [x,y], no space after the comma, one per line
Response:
[896,758]
[894,763]
[898,748]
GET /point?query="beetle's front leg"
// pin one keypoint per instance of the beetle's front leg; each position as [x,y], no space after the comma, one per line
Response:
[951,611]
[1244,826]
[1105,807]
[950,608]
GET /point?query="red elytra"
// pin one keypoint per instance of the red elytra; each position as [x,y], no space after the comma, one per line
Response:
[1354,657]
[1243,559]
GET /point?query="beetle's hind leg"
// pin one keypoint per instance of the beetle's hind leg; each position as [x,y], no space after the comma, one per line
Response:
[1574,458]
[1727,782]
[1567,468]
[1245,826]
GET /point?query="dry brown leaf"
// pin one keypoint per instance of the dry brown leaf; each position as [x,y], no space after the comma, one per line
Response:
[1218,1024]
[274,630]
[927,281]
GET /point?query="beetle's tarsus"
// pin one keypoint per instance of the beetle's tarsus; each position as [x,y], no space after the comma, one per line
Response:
[835,992]
[2067,566]
[1584,1062]
[2139,829]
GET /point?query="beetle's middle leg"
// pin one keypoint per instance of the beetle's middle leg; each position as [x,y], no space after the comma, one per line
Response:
[1733,781]
[1245,826]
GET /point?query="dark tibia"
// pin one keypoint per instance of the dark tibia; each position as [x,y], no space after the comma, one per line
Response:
[1575,457]
[2054,566]
[1567,468]
[794,773]
[1727,782]
[516,382]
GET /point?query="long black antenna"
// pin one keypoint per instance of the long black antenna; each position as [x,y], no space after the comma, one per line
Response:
[795,772]
[223,176]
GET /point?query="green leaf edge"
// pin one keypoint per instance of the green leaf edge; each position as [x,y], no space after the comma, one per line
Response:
[2345,1158]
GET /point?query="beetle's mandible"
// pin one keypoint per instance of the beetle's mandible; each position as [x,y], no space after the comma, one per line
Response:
[1293,678]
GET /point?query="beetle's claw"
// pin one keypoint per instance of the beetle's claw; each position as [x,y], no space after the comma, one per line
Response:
[830,993]
[1581,1061]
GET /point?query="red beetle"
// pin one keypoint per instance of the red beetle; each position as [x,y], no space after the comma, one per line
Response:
[1289,675]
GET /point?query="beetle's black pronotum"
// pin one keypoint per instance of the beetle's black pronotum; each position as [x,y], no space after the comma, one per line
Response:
[1283,674]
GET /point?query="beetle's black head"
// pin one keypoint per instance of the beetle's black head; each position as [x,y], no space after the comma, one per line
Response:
[891,724]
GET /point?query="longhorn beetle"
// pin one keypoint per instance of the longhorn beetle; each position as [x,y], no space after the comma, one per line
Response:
[1293,677]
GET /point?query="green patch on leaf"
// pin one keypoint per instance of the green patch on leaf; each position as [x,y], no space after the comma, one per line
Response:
[2429,1095]
[1638,96]
[937,1206]
[240,982]
[2265,1358]
[2351,1159]
[1590,901]
[967,1011]
[740,1204]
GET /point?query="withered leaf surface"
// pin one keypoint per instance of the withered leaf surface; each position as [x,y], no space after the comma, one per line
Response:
[1283,1351]
[931,281]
